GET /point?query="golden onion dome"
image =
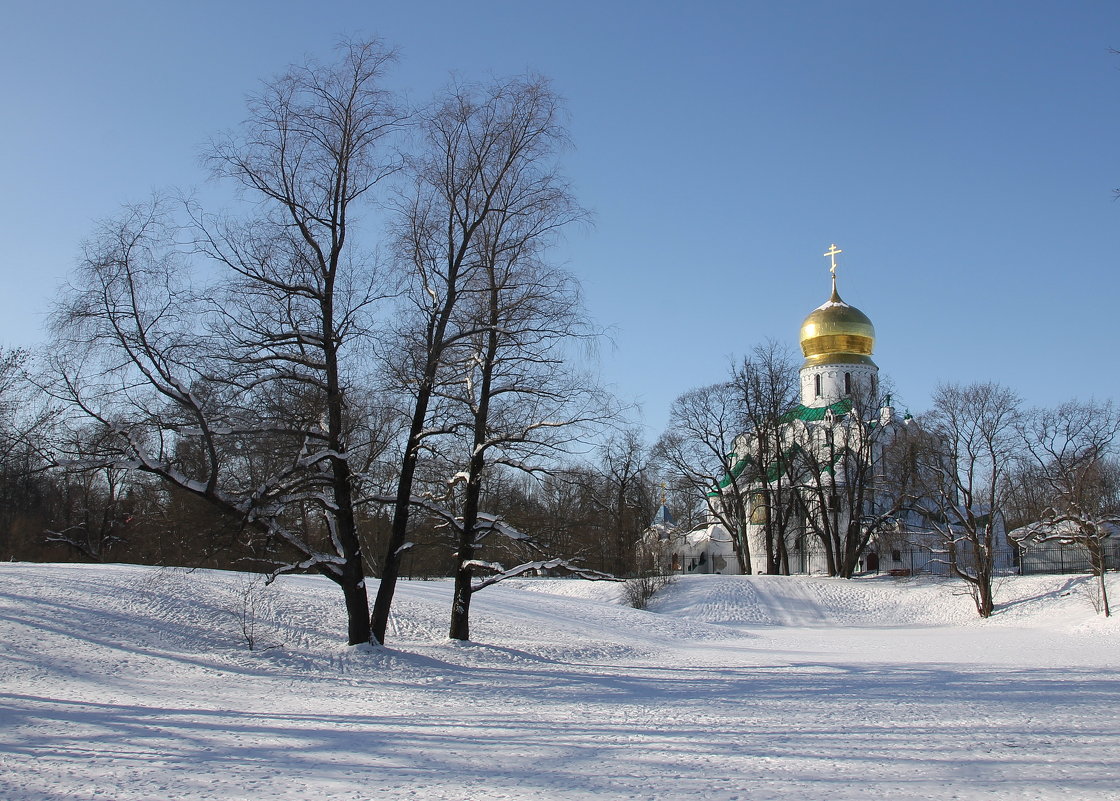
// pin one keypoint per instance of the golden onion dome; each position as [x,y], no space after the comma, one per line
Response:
[836,333]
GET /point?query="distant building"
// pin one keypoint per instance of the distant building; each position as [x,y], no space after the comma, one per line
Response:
[706,549]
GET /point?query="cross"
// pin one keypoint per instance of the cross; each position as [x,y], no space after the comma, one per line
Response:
[833,251]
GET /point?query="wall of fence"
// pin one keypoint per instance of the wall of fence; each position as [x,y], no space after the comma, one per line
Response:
[906,562]
[922,561]
[930,562]
[900,562]
[1065,559]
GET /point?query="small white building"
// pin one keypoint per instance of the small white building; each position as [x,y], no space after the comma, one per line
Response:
[706,549]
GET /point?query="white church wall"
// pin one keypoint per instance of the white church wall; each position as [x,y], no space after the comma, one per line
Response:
[834,385]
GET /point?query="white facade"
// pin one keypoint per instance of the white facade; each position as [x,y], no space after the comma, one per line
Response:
[708,549]
[825,431]
[825,384]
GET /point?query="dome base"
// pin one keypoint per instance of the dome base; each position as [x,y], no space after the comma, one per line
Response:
[821,359]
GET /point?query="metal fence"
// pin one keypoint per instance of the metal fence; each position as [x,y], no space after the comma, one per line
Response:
[927,562]
[903,562]
[1065,559]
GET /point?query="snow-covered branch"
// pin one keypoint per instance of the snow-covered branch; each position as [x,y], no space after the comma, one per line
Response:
[565,565]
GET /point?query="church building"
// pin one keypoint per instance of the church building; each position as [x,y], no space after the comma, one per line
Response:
[824,478]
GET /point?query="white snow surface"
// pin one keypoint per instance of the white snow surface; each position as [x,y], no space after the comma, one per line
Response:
[124,683]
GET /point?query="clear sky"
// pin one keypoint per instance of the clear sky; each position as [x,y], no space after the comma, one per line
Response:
[962,154]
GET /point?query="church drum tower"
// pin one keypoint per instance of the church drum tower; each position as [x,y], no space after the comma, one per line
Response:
[837,341]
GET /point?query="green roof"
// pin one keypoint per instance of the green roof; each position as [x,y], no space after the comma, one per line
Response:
[815,413]
[773,470]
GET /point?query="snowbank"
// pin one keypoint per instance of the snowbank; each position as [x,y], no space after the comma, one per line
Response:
[135,683]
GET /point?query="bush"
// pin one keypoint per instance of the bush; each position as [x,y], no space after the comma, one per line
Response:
[639,591]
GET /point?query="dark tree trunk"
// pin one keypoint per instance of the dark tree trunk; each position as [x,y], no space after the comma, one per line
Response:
[464,573]
[783,555]
[357,610]
[461,605]
[744,551]
[985,603]
[742,517]
[391,565]
[436,343]
[771,545]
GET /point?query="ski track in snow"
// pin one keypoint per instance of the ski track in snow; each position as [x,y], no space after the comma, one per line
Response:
[128,683]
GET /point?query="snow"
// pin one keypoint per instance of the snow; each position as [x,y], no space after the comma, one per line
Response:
[127,683]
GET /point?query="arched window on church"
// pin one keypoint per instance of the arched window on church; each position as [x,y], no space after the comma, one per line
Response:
[817,385]
[847,383]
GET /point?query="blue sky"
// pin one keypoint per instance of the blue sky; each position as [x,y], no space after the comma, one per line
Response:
[962,154]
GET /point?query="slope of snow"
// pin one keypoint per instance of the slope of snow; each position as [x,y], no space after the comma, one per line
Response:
[127,683]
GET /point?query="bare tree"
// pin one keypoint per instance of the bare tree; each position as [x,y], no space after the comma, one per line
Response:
[556,508]
[487,162]
[622,492]
[24,419]
[700,447]
[90,515]
[1068,451]
[511,381]
[855,471]
[15,428]
[314,148]
[968,477]
[209,386]
[652,573]
[767,385]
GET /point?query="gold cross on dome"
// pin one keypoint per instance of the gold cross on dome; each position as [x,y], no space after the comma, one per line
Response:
[833,251]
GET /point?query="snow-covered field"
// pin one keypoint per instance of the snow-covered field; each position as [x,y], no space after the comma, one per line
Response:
[120,682]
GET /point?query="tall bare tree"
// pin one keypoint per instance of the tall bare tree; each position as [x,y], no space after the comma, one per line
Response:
[968,477]
[1070,458]
[622,492]
[700,447]
[767,385]
[487,161]
[521,400]
[856,471]
[25,424]
[90,512]
[15,428]
[253,369]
